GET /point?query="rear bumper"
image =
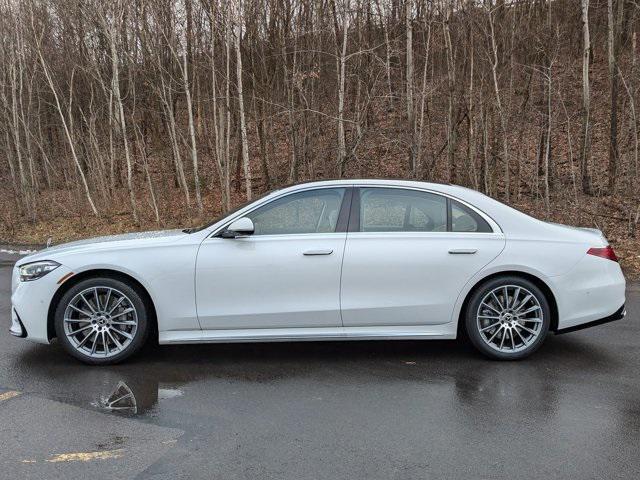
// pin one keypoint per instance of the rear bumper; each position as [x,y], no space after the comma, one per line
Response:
[593,290]
[617,315]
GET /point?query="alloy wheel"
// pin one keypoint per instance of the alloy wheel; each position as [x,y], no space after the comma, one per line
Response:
[100,322]
[509,318]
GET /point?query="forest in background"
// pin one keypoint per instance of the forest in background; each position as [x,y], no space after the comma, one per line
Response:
[146,114]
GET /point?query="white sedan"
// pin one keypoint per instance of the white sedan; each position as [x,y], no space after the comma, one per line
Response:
[333,260]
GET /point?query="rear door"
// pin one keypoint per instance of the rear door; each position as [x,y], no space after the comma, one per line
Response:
[408,254]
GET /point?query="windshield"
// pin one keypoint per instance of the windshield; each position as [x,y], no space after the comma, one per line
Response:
[226,214]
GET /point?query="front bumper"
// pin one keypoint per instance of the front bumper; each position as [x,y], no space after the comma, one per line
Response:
[17,329]
[30,304]
[617,315]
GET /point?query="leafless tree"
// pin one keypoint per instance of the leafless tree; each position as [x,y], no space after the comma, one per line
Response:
[141,110]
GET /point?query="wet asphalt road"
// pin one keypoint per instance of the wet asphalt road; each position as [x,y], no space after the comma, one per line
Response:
[372,410]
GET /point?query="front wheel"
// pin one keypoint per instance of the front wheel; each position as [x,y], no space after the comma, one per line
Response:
[101,321]
[508,318]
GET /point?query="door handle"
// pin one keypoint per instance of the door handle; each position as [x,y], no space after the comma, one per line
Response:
[318,252]
[463,251]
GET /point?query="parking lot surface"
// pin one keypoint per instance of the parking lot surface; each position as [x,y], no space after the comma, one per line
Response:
[371,410]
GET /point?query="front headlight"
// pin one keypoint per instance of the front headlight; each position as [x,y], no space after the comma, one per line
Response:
[35,270]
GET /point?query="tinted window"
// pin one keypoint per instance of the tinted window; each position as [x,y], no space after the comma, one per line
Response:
[398,210]
[463,219]
[313,211]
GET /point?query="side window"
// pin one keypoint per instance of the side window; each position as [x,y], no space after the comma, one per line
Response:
[463,219]
[398,210]
[313,211]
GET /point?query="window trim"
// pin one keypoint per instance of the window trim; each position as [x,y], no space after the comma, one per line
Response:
[341,223]
[354,218]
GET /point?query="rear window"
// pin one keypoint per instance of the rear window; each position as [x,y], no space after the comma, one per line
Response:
[463,219]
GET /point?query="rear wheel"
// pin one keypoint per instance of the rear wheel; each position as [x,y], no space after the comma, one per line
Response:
[508,318]
[101,321]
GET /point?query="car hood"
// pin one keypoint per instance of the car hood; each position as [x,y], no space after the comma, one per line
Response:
[106,242]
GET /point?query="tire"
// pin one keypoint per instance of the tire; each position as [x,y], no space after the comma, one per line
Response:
[112,311]
[511,329]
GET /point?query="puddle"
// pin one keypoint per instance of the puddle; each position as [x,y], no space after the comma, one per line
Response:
[166,393]
[191,386]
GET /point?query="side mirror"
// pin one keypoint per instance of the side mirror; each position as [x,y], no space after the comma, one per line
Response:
[239,228]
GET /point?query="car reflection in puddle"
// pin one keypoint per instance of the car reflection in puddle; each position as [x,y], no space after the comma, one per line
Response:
[122,399]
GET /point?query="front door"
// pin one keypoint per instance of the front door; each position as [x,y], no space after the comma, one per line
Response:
[285,275]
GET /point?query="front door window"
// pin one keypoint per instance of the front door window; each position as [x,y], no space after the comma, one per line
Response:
[312,211]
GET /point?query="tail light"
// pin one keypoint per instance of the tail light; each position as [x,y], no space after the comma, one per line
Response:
[604,252]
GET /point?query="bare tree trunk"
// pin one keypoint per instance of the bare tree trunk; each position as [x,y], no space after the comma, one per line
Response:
[503,120]
[570,145]
[411,127]
[25,122]
[586,101]
[341,60]
[243,127]
[227,112]
[12,169]
[264,154]
[112,152]
[471,141]
[83,179]
[166,99]
[451,82]
[632,95]
[547,150]
[15,130]
[115,85]
[289,84]
[142,148]
[634,129]
[613,34]
[218,124]
[192,132]
[387,51]
[423,97]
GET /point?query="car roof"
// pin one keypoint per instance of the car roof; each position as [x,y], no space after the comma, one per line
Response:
[375,181]
[462,193]
[369,181]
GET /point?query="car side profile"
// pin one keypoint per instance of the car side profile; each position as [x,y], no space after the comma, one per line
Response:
[332,260]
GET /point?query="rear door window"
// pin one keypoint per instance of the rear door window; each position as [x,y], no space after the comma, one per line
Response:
[401,210]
